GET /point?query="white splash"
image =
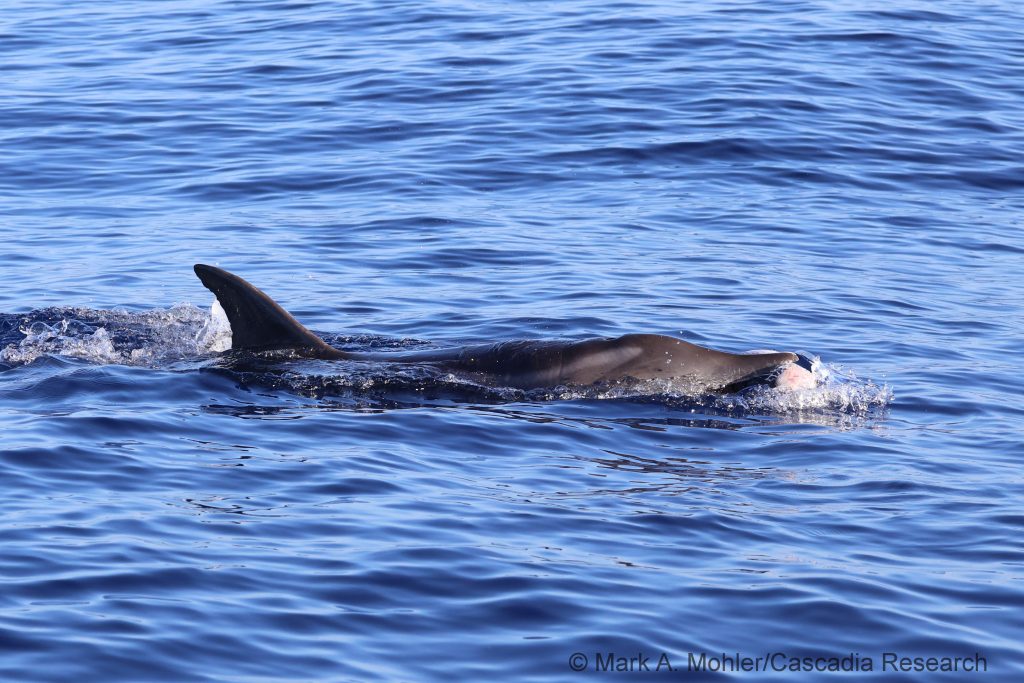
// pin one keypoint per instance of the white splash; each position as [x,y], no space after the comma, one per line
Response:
[116,336]
[65,338]
[837,390]
[215,336]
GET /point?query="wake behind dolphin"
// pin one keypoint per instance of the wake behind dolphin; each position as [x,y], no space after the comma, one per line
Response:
[258,323]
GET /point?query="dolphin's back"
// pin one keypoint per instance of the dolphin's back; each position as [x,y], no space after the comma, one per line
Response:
[257,322]
[655,356]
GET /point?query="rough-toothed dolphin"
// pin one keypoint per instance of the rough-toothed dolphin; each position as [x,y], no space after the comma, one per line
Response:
[259,323]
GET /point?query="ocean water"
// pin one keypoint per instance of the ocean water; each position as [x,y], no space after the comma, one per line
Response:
[841,178]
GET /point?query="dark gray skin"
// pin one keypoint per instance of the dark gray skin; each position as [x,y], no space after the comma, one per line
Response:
[259,323]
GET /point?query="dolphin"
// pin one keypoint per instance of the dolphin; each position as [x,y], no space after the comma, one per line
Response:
[258,323]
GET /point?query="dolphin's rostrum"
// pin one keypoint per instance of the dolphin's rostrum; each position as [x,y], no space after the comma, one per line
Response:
[259,323]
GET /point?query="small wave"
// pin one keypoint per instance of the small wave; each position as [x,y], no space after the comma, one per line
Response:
[838,390]
[106,337]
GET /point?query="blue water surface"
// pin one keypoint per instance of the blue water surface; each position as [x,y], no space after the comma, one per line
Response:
[840,177]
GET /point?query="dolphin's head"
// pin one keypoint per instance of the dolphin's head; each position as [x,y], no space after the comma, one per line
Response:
[788,371]
[796,375]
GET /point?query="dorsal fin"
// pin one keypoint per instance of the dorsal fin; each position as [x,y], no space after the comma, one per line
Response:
[257,321]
